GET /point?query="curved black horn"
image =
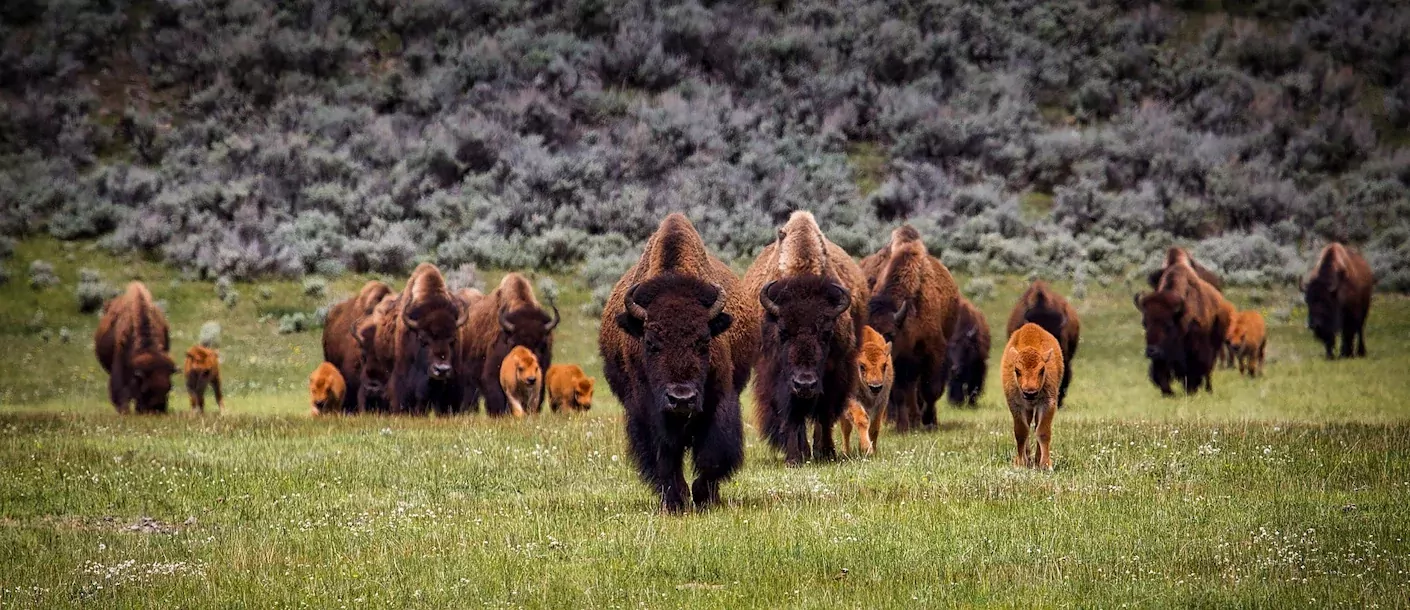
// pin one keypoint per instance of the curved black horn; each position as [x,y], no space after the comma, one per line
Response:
[408,320]
[504,322]
[553,324]
[634,308]
[719,305]
[769,305]
[844,301]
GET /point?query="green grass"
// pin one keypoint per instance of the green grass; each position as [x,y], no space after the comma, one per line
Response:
[868,160]
[1288,490]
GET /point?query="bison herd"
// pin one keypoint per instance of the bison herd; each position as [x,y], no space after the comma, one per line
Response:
[826,339]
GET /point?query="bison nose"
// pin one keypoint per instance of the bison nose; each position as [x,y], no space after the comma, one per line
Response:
[805,382]
[1030,395]
[680,396]
[875,387]
[531,380]
[1152,352]
[440,371]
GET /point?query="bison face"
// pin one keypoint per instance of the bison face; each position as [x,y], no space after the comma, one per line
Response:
[873,368]
[375,369]
[582,394]
[1031,370]
[675,318]
[1162,314]
[528,327]
[800,318]
[961,349]
[1323,309]
[887,316]
[435,327]
[152,372]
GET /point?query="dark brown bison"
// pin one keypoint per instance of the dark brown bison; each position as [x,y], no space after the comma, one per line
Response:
[506,318]
[812,299]
[1043,306]
[425,342]
[340,344]
[374,335]
[677,338]
[1176,256]
[968,355]
[1186,326]
[1338,296]
[915,306]
[132,343]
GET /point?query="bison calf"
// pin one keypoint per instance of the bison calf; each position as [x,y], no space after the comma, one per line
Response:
[569,388]
[1032,374]
[1248,340]
[872,391]
[202,368]
[326,389]
[519,378]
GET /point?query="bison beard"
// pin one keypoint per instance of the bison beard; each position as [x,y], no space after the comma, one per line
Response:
[803,373]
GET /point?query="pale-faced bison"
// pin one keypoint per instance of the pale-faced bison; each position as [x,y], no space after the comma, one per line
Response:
[507,317]
[326,389]
[132,343]
[569,388]
[968,355]
[340,342]
[520,380]
[425,340]
[1186,325]
[677,339]
[872,391]
[812,299]
[915,306]
[1032,368]
[1043,306]
[202,369]
[1338,296]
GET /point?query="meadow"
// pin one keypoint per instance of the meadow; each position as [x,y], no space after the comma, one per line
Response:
[1284,490]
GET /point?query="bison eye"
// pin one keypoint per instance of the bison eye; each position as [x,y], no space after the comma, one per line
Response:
[652,346]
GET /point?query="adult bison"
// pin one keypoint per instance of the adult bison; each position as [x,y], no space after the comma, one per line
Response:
[374,335]
[915,306]
[811,297]
[1043,306]
[506,318]
[132,344]
[968,355]
[425,333]
[677,338]
[1186,325]
[1178,256]
[340,344]
[1338,296]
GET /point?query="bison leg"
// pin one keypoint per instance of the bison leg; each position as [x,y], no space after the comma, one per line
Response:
[1066,381]
[823,446]
[496,403]
[1361,338]
[1330,343]
[718,451]
[1045,436]
[873,432]
[198,400]
[1160,376]
[219,398]
[846,425]
[1020,437]
[670,477]
[795,442]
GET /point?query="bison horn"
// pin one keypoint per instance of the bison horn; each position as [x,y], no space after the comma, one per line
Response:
[901,311]
[844,300]
[634,308]
[504,322]
[1136,298]
[462,314]
[719,305]
[768,303]
[408,320]
[553,324]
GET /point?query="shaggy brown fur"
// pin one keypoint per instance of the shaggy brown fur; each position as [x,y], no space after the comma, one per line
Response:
[872,391]
[915,305]
[340,343]
[781,408]
[1248,340]
[1178,256]
[132,344]
[1338,296]
[509,316]
[569,388]
[201,369]
[1186,325]
[425,331]
[968,355]
[682,393]
[326,389]
[1031,369]
[520,379]
[1226,351]
[1043,306]
[377,355]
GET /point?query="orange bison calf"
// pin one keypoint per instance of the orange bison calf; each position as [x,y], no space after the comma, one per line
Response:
[202,368]
[1248,340]
[1032,374]
[871,394]
[132,343]
[519,378]
[326,389]
[569,389]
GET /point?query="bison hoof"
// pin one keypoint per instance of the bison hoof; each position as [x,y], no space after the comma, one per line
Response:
[706,494]
[1020,461]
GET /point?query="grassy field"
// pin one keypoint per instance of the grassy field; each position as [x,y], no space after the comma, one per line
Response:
[1286,490]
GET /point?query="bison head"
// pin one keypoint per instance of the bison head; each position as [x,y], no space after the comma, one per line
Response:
[1162,315]
[529,327]
[961,349]
[375,370]
[800,315]
[675,317]
[873,363]
[1030,371]
[582,394]
[887,315]
[1323,306]
[152,372]
[435,323]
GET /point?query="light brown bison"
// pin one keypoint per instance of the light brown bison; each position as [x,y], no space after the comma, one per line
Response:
[519,378]
[915,306]
[1043,306]
[425,333]
[812,299]
[1032,368]
[569,388]
[326,389]
[872,391]
[1186,325]
[202,369]
[508,317]
[968,355]
[340,343]
[677,339]
[1248,341]
[132,343]
[1178,256]
[1338,297]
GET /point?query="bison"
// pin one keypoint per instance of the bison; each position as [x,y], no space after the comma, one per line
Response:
[519,380]
[425,335]
[132,344]
[376,357]
[915,306]
[1186,325]
[1031,371]
[1338,296]
[326,389]
[1248,342]
[569,388]
[341,347]
[871,392]
[677,339]
[968,355]
[1043,306]
[201,369]
[1178,256]
[812,299]
[507,317]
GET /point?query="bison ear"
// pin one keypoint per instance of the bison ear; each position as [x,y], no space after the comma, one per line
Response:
[888,348]
[631,324]
[1048,355]
[720,323]
[973,332]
